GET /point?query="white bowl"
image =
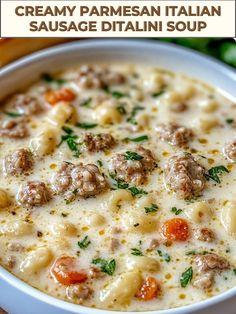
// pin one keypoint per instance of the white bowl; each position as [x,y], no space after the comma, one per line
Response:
[16,296]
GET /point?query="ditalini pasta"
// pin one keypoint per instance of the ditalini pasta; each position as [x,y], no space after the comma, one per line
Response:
[117,187]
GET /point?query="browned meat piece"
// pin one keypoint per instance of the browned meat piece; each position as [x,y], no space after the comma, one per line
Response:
[15,247]
[154,244]
[204,281]
[134,171]
[185,176]
[115,230]
[82,180]
[204,234]
[90,77]
[33,193]
[14,128]
[79,292]
[211,262]
[112,78]
[27,105]
[88,180]
[174,134]
[62,181]
[11,262]
[115,243]
[230,151]
[19,162]
[98,142]
[178,107]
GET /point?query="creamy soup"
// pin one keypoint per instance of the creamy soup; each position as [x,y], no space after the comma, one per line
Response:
[117,188]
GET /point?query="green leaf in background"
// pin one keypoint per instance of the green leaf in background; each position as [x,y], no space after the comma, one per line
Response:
[228,53]
[223,49]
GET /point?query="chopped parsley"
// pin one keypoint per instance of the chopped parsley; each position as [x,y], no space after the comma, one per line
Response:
[234,270]
[135,110]
[67,129]
[99,162]
[84,243]
[136,192]
[136,139]
[152,209]
[229,121]
[13,114]
[86,126]
[121,184]
[136,252]
[166,256]
[132,156]
[107,267]
[193,252]
[50,79]
[64,215]
[121,109]
[157,94]
[86,102]
[117,94]
[214,172]
[186,277]
[176,211]
[70,139]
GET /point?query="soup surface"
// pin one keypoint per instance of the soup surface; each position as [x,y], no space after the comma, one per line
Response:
[117,188]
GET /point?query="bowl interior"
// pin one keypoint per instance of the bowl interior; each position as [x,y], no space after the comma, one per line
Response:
[166,56]
[162,55]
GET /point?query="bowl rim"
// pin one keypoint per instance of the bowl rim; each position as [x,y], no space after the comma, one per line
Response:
[125,43]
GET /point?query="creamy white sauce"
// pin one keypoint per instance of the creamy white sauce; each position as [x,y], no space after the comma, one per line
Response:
[141,84]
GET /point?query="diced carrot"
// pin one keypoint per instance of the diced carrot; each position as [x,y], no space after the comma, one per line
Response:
[65,271]
[54,96]
[149,290]
[176,229]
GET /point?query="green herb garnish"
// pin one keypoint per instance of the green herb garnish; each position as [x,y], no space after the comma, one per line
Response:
[132,156]
[117,94]
[136,192]
[121,184]
[152,209]
[84,243]
[192,252]
[186,277]
[50,79]
[229,121]
[166,256]
[121,109]
[134,111]
[136,139]
[86,126]
[155,95]
[107,267]
[13,114]
[136,252]
[176,211]
[234,270]
[64,214]
[70,139]
[86,102]
[67,129]
[214,172]
[99,162]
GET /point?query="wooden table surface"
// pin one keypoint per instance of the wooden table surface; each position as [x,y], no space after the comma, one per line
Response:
[14,48]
